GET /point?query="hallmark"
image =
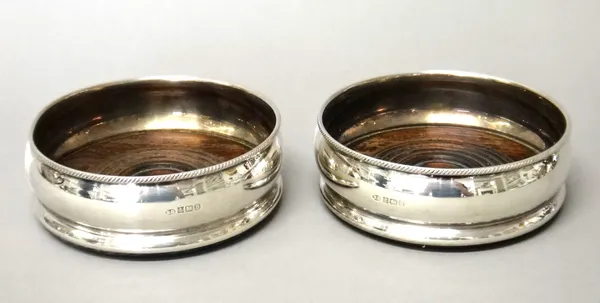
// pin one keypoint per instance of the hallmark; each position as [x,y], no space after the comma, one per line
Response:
[183,209]
[387,200]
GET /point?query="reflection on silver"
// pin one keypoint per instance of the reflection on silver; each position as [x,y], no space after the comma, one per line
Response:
[204,197]
[426,158]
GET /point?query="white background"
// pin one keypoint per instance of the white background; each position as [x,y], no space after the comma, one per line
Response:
[298,53]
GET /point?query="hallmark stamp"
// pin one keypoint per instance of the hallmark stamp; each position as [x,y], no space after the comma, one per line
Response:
[387,200]
[183,209]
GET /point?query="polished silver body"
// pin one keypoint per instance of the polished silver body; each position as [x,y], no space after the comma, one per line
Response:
[143,214]
[472,195]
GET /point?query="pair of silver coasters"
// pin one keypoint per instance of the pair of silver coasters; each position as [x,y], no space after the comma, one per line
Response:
[167,164]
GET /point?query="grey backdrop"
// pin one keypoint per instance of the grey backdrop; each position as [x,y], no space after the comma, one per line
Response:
[298,53]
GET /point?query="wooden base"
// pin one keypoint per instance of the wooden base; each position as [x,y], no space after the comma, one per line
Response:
[443,146]
[153,152]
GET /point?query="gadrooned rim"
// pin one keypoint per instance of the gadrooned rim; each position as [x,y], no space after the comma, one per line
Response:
[443,171]
[159,178]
